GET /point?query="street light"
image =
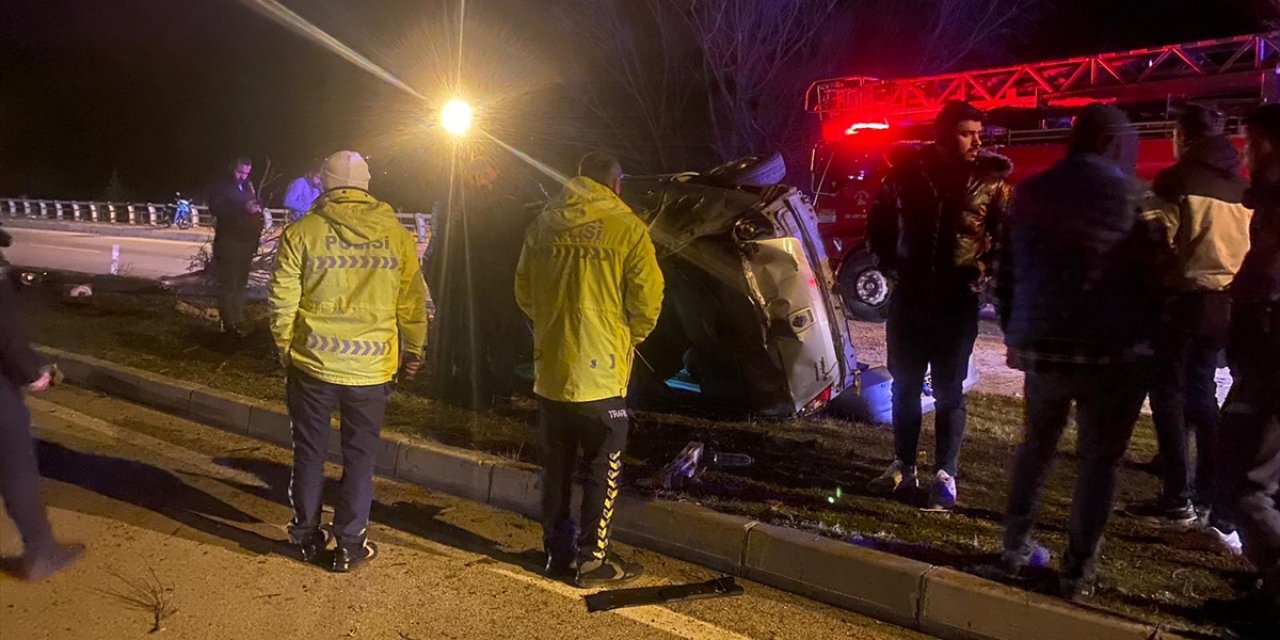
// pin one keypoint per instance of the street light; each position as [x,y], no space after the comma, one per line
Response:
[455,117]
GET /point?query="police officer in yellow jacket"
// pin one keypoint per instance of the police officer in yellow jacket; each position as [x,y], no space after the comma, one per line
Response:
[589,279]
[348,309]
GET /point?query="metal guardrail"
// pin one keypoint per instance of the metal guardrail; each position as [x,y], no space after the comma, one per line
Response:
[153,213]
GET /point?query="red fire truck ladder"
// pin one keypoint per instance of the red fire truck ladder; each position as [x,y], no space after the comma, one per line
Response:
[1210,67]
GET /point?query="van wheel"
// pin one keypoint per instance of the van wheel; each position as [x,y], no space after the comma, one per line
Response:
[864,289]
[752,171]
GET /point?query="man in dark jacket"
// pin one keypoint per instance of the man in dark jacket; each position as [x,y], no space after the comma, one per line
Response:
[1078,260]
[1200,204]
[932,228]
[238,224]
[21,369]
[1251,416]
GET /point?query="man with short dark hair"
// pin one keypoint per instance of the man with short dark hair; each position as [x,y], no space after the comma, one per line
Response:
[589,280]
[1077,270]
[238,223]
[1200,203]
[1251,415]
[932,229]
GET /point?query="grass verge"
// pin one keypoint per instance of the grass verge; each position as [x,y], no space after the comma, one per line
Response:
[807,473]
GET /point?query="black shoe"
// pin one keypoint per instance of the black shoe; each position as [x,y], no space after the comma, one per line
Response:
[613,571]
[1159,511]
[560,568]
[1076,589]
[313,546]
[347,560]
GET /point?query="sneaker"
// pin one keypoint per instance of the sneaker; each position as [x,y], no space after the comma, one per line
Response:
[44,563]
[942,497]
[894,479]
[313,546]
[560,567]
[1076,589]
[613,571]
[1228,541]
[1164,513]
[347,560]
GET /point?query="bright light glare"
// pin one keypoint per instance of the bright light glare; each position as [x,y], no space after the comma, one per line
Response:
[455,117]
[862,126]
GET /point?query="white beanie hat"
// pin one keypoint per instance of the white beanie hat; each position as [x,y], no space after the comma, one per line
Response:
[345,169]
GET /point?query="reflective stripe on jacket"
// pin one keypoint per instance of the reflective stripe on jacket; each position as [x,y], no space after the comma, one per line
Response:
[588,277]
[347,294]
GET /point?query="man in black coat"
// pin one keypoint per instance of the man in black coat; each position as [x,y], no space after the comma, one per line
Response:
[22,370]
[1078,266]
[1251,415]
[932,227]
[238,223]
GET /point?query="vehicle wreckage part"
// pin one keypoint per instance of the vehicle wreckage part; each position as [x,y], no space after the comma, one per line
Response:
[863,288]
[752,171]
[620,598]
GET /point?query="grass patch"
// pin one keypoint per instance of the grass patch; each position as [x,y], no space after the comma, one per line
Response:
[807,473]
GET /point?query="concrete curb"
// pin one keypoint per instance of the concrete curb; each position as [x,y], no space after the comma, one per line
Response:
[936,600]
[115,229]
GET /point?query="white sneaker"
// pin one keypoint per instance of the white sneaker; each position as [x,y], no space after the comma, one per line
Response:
[896,478]
[942,497]
[1230,542]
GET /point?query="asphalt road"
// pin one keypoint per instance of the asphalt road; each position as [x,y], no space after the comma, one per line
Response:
[175,511]
[91,253]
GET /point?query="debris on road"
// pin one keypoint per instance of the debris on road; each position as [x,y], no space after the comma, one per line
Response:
[620,598]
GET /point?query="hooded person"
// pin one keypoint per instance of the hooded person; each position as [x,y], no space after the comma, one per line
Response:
[348,310]
[1078,263]
[588,278]
[932,227]
[1200,202]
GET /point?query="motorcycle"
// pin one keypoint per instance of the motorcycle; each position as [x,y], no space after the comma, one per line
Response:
[181,213]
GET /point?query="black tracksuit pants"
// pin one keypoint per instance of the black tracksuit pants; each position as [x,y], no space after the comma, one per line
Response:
[311,404]
[599,429]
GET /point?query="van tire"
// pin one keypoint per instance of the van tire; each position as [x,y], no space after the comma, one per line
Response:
[752,171]
[864,289]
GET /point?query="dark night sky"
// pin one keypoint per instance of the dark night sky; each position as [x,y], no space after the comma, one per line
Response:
[164,91]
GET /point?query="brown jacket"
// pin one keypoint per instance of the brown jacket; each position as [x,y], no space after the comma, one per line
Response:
[1201,207]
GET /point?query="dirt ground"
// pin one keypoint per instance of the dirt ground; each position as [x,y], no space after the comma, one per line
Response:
[188,521]
[807,473]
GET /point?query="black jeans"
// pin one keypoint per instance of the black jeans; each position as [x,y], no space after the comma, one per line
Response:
[20,473]
[1251,465]
[600,429]
[233,260]
[1108,400]
[937,339]
[361,409]
[1184,397]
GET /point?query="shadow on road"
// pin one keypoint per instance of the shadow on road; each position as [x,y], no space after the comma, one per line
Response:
[415,519]
[151,488]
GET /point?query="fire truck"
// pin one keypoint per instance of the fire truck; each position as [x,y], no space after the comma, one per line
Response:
[1030,109]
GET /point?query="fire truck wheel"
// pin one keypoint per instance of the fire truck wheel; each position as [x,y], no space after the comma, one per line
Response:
[864,289]
[752,171]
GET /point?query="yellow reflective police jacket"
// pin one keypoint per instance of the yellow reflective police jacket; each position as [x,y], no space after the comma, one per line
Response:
[589,280]
[347,294]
